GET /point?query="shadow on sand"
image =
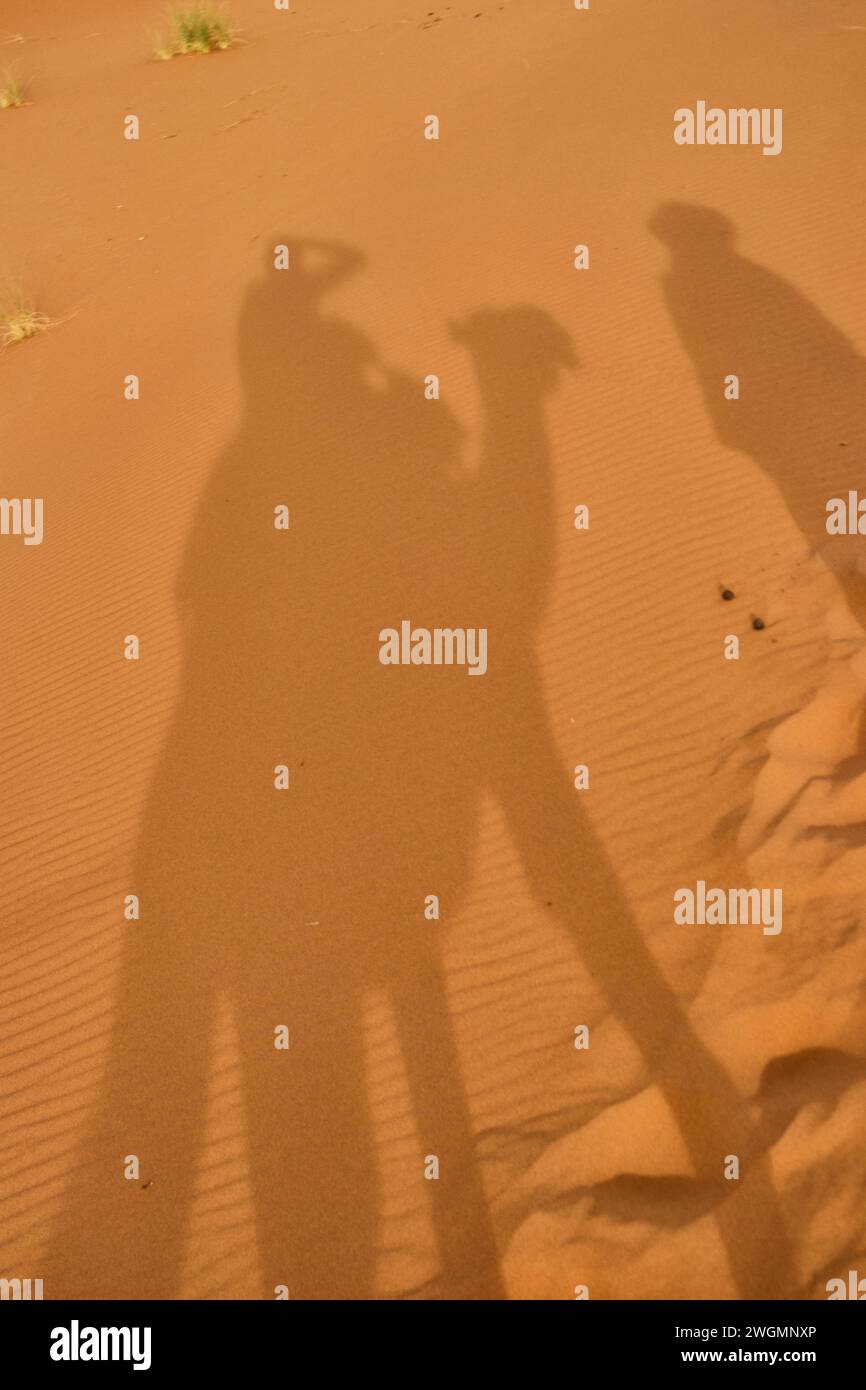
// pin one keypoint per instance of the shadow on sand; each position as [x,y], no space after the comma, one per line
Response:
[294,904]
[802,409]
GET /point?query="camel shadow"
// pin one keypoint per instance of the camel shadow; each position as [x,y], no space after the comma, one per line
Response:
[295,903]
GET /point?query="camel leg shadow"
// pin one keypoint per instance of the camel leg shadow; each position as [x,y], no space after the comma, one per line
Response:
[570,873]
[468,1253]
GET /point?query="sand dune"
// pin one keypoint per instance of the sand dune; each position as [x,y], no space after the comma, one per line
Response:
[409,1037]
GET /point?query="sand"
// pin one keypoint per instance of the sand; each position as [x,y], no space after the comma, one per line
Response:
[411,1038]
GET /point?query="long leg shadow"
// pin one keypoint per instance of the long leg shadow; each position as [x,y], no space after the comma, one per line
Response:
[567,867]
[571,874]
[296,904]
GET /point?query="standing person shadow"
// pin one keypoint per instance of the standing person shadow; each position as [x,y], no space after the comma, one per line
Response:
[296,903]
[801,416]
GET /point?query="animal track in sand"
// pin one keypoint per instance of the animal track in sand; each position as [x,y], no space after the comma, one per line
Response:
[434,18]
[430,19]
[250,116]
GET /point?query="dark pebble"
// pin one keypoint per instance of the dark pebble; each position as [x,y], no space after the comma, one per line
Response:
[727,595]
[758,624]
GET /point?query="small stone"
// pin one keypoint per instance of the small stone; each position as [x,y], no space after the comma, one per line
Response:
[727,595]
[758,624]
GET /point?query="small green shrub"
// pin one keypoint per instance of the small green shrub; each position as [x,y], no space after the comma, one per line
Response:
[18,320]
[12,90]
[196,29]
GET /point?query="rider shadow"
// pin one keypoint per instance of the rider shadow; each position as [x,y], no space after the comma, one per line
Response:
[296,903]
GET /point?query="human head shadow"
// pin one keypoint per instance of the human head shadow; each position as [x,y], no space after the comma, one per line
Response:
[295,903]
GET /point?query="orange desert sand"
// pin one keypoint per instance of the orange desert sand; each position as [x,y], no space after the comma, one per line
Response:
[410,1038]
